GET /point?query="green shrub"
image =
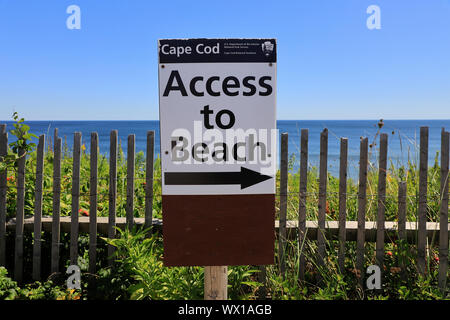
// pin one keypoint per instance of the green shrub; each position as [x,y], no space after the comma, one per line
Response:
[8,287]
[138,262]
[9,290]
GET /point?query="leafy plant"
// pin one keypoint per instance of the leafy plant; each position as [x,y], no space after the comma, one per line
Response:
[141,258]
[9,290]
[8,287]
[21,146]
[242,282]
[41,291]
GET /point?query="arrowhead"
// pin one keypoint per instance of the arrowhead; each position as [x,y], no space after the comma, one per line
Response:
[250,177]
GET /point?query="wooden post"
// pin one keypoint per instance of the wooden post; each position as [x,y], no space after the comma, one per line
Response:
[443,219]
[342,201]
[36,273]
[382,166]
[149,180]
[112,192]
[18,255]
[130,181]
[322,197]
[56,202]
[422,214]
[3,191]
[363,163]
[302,202]
[262,278]
[75,198]
[402,192]
[93,203]
[283,202]
[402,210]
[216,282]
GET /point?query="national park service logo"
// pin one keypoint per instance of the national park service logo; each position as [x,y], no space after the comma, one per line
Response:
[267,48]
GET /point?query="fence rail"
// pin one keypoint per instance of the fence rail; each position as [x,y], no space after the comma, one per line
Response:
[361,231]
[332,229]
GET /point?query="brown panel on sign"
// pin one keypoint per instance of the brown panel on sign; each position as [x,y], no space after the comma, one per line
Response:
[218,230]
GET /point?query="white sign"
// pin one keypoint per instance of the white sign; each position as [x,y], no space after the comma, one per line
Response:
[217,100]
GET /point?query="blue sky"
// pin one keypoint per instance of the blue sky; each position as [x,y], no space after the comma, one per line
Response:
[330,65]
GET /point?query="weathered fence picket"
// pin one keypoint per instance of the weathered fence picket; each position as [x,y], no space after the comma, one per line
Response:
[57,145]
[302,201]
[342,201]
[36,273]
[422,214]
[262,278]
[18,247]
[112,192]
[401,226]
[3,192]
[283,202]
[93,202]
[362,200]
[402,210]
[443,217]
[75,198]
[381,199]
[130,181]
[149,180]
[323,163]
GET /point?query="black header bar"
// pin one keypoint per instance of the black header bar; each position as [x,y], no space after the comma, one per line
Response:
[217,50]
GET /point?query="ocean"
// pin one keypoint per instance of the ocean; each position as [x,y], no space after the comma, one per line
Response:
[403,137]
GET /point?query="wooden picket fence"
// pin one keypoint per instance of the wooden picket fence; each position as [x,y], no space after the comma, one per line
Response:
[361,231]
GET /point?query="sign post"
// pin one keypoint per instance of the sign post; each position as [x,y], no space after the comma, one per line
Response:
[218,154]
[216,282]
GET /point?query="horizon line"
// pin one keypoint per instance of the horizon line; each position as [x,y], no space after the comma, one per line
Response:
[374,119]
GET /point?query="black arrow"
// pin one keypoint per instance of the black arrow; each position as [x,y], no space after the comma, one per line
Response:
[245,178]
